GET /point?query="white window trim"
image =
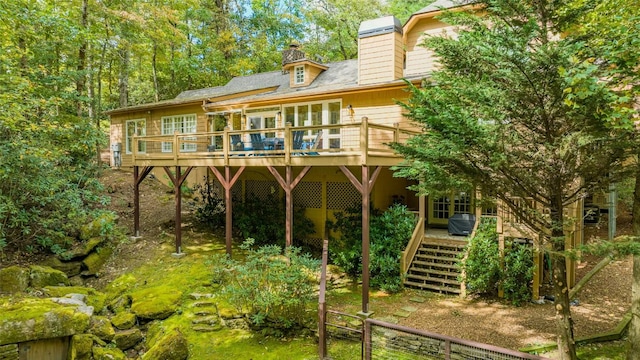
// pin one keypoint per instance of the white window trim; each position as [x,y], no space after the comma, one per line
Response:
[128,150]
[167,146]
[325,117]
[299,75]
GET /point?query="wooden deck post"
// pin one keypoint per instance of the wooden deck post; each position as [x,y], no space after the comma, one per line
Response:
[364,187]
[177,180]
[288,185]
[137,179]
[227,182]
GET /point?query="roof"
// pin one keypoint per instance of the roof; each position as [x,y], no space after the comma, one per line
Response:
[440,5]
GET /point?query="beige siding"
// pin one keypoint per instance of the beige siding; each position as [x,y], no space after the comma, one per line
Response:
[380,58]
[419,59]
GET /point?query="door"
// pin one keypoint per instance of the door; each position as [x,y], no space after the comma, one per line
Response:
[443,207]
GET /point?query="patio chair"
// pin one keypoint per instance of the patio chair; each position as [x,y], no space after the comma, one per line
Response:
[236,142]
[256,141]
[316,143]
[298,140]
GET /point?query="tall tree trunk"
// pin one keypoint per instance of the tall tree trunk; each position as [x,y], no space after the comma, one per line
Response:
[634,329]
[82,59]
[154,68]
[564,322]
[123,77]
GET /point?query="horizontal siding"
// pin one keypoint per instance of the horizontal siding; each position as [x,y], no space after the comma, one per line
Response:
[380,58]
[419,59]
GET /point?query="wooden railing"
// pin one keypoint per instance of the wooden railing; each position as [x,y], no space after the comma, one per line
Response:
[412,246]
[356,139]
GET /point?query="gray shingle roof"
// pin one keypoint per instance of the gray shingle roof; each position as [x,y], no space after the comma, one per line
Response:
[442,4]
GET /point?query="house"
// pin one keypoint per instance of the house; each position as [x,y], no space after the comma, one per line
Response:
[317,133]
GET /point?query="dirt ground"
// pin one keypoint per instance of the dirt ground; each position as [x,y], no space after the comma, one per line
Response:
[601,304]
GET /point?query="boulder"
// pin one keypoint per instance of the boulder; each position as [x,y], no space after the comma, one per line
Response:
[155,303]
[118,286]
[94,262]
[71,268]
[34,319]
[41,276]
[101,327]
[127,339]
[123,320]
[103,353]
[14,279]
[172,346]
[93,297]
[80,347]
[120,304]
[83,250]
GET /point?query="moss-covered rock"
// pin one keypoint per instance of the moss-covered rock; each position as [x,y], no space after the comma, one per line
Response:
[34,319]
[118,286]
[102,328]
[14,279]
[83,250]
[70,268]
[103,353]
[172,346]
[126,339]
[120,304]
[155,303]
[94,297]
[41,276]
[124,320]
[80,347]
[94,262]
[98,227]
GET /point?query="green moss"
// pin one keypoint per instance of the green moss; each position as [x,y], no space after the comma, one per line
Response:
[97,227]
[118,286]
[155,303]
[102,353]
[94,297]
[94,262]
[101,327]
[84,249]
[80,347]
[124,320]
[70,268]
[34,319]
[127,339]
[41,276]
[172,346]
[14,279]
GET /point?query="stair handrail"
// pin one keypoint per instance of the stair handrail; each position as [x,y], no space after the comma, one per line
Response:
[412,247]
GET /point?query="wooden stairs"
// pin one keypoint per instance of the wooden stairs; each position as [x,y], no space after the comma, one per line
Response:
[434,267]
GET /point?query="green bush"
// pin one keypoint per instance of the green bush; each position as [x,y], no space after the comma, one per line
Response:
[276,289]
[389,234]
[483,273]
[481,267]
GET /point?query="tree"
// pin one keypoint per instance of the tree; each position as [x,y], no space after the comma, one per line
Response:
[514,112]
[611,31]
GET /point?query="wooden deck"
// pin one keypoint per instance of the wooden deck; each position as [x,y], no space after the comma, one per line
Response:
[344,144]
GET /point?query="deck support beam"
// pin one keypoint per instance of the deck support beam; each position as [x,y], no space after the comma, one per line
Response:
[288,184]
[227,182]
[364,187]
[177,180]
[137,179]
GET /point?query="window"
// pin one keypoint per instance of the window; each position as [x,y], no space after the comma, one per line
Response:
[136,128]
[183,124]
[299,75]
[317,113]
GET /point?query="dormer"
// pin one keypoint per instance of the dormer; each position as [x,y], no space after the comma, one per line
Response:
[302,71]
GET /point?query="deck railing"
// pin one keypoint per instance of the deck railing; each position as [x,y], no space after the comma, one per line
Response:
[355,139]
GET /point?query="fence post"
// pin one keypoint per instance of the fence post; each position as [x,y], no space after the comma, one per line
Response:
[366,338]
[226,145]
[364,140]
[447,350]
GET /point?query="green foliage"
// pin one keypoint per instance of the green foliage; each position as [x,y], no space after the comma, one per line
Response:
[389,234]
[518,273]
[481,266]
[276,289]
[483,272]
[210,208]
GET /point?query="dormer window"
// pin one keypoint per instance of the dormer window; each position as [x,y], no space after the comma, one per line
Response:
[299,75]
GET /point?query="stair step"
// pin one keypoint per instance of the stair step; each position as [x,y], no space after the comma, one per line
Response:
[441,289]
[432,271]
[435,264]
[424,257]
[438,251]
[455,247]
[433,279]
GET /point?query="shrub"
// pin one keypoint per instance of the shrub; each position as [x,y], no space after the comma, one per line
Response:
[481,267]
[389,234]
[276,289]
[483,273]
